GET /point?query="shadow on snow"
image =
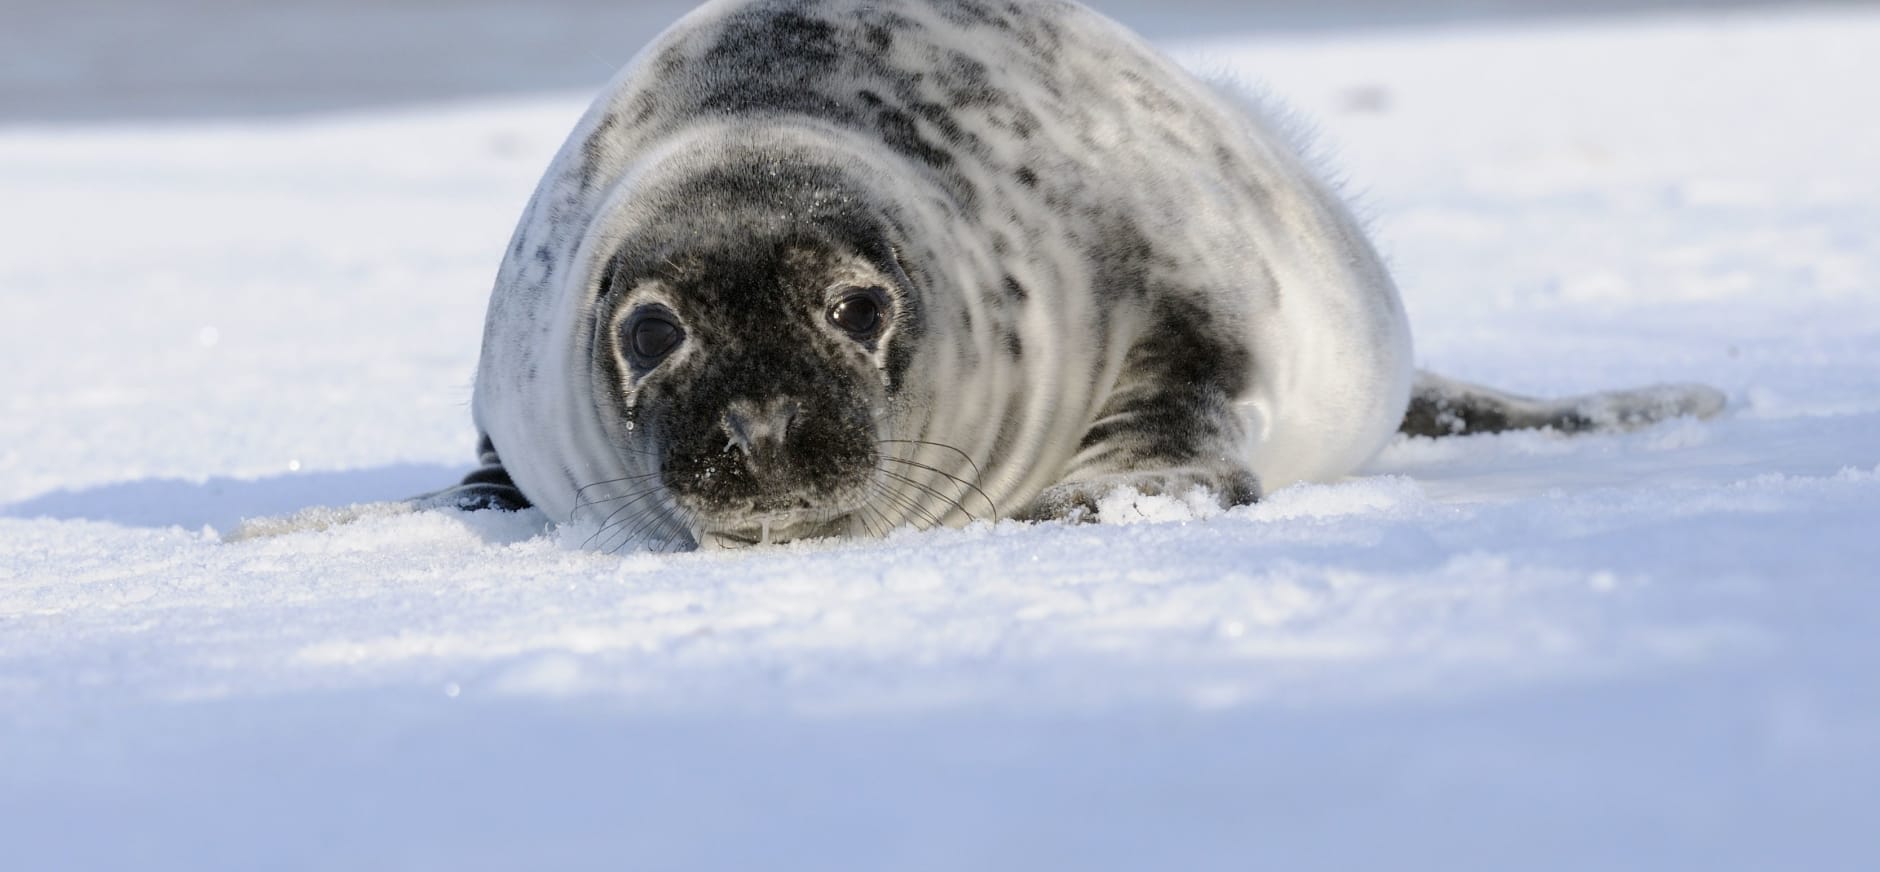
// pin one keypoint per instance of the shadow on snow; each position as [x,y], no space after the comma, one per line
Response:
[224,502]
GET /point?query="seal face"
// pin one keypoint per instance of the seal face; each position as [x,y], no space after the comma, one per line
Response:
[830,267]
[757,364]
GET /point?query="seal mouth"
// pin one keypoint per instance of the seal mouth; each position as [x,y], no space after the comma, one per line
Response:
[776,530]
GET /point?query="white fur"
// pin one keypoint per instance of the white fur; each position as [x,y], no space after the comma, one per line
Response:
[1329,340]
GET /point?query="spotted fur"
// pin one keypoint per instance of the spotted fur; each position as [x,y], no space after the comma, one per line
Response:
[1097,270]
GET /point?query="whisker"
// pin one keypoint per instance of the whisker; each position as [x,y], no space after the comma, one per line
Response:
[621,534]
[605,524]
[664,515]
[608,521]
[877,528]
[905,510]
[890,524]
[951,503]
[682,530]
[956,479]
[910,502]
[977,474]
[625,478]
[905,506]
[908,475]
[632,528]
[863,517]
[667,541]
[603,500]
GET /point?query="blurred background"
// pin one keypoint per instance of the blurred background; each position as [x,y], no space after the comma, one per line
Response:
[62,60]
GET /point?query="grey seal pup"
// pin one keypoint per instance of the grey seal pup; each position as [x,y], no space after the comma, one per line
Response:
[832,267]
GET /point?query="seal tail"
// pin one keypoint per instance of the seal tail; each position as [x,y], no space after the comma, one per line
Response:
[1445,407]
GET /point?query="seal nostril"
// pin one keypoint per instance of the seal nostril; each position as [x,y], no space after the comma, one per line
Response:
[752,429]
[738,427]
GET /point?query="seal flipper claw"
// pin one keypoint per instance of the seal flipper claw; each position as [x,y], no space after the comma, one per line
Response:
[1076,501]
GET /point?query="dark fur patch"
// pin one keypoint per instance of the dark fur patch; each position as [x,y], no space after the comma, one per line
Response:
[487,487]
[1124,256]
[944,121]
[973,13]
[1180,377]
[967,83]
[900,132]
[791,57]
[1436,413]
[880,37]
[773,58]
[1023,122]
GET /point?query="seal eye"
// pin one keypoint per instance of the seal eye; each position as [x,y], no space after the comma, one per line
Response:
[858,313]
[653,337]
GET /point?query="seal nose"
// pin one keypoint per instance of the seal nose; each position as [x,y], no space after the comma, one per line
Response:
[755,429]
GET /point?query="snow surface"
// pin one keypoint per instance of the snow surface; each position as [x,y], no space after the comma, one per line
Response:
[1653,650]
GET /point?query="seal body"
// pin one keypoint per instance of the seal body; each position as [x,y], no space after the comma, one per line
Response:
[1085,269]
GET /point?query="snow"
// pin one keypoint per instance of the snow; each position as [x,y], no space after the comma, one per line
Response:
[1652,650]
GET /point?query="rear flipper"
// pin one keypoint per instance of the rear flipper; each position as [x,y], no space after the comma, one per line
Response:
[488,487]
[1446,407]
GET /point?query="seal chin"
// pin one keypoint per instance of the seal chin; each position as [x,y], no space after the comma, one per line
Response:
[771,529]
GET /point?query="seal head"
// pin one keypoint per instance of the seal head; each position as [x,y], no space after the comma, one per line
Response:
[753,341]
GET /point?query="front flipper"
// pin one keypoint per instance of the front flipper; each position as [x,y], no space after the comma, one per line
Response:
[1445,407]
[1076,501]
[488,487]
[1168,426]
